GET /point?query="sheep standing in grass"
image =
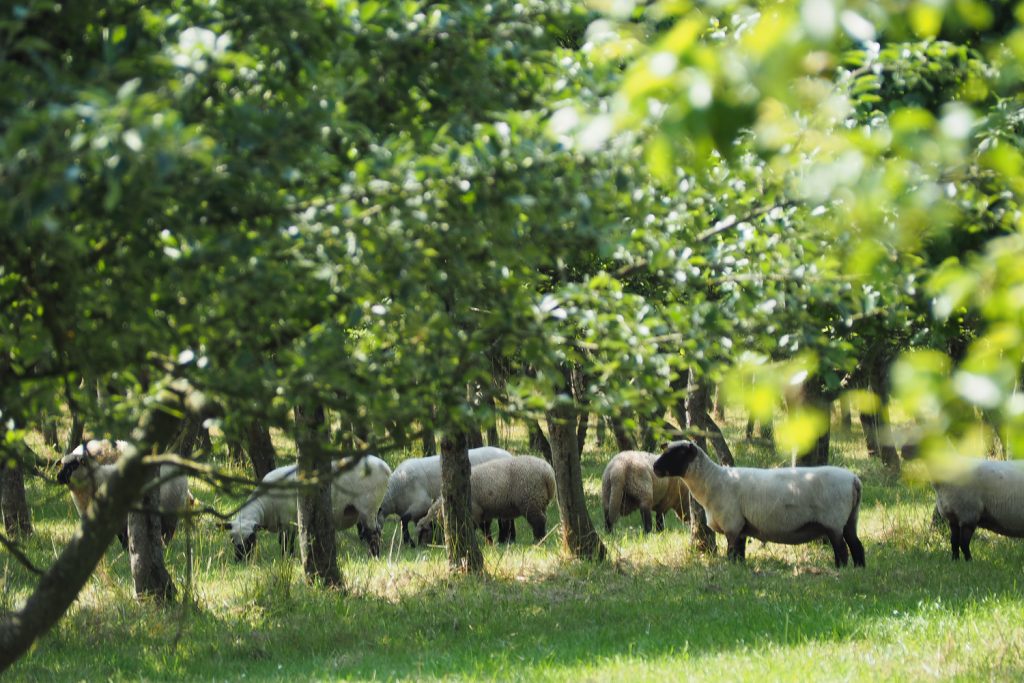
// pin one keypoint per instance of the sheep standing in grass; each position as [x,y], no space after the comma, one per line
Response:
[91,465]
[628,484]
[787,505]
[506,488]
[980,493]
[416,483]
[356,493]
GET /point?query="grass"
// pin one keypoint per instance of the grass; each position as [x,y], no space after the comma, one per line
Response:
[656,611]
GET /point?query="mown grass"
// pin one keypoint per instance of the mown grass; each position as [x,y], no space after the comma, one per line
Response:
[655,611]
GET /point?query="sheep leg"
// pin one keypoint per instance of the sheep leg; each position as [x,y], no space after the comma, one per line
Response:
[506,531]
[856,547]
[954,538]
[842,555]
[659,521]
[168,525]
[538,522]
[406,537]
[645,516]
[966,532]
[737,548]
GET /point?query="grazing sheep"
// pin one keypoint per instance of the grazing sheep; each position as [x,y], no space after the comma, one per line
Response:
[787,505]
[91,465]
[416,483]
[628,484]
[356,493]
[980,493]
[506,488]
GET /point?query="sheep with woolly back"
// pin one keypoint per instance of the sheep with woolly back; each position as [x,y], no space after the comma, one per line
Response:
[789,505]
[416,483]
[972,493]
[356,493]
[506,488]
[628,483]
[88,468]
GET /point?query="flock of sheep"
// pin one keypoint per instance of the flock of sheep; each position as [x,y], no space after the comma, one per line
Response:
[784,505]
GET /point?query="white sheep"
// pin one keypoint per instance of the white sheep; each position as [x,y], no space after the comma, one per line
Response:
[787,505]
[505,488]
[416,483]
[356,493]
[629,484]
[974,493]
[91,465]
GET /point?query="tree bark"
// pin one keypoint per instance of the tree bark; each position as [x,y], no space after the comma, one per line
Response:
[701,536]
[60,584]
[578,534]
[13,502]
[48,426]
[261,449]
[681,385]
[429,442]
[581,430]
[316,523]
[146,548]
[464,554]
[77,430]
[699,418]
[624,441]
[813,396]
[538,442]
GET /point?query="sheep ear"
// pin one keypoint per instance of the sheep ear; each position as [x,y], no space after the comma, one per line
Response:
[226,526]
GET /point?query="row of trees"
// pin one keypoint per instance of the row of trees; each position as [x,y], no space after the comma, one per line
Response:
[424,216]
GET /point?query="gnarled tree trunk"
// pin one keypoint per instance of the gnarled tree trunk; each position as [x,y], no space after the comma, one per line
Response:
[13,502]
[464,554]
[60,584]
[701,536]
[146,548]
[578,534]
[261,449]
[538,442]
[316,523]
[699,418]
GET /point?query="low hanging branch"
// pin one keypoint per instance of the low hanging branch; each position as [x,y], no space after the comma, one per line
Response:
[60,584]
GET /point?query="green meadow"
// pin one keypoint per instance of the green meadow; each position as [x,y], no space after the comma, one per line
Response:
[656,611]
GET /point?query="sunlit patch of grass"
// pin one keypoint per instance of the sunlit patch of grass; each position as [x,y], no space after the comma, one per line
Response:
[657,609]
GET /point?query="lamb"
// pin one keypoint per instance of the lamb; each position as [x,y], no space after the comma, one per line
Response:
[356,494]
[416,483]
[628,483]
[787,505]
[980,493]
[91,465]
[506,488]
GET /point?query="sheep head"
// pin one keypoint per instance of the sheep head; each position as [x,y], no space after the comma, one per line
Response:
[676,459]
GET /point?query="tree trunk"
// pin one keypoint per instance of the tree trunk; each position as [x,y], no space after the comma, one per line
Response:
[146,548]
[48,426]
[624,441]
[701,536]
[13,502]
[699,418]
[261,449]
[316,523]
[681,385]
[464,554]
[578,534]
[845,414]
[429,442]
[813,396]
[538,442]
[77,430]
[581,430]
[492,429]
[60,584]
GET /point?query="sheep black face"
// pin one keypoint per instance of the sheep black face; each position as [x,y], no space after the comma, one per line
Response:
[244,548]
[676,459]
[64,476]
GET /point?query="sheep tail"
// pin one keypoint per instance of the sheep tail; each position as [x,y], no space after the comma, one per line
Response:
[613,503]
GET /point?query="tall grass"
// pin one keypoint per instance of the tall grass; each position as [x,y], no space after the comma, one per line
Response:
[656,610]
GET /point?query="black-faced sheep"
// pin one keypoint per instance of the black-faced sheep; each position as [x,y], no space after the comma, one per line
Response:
[90,465]
[506,488]
[629,484]
[980,493]
[416,483]
[356,493]
[787,505]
